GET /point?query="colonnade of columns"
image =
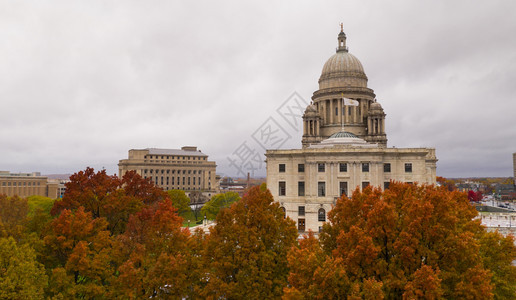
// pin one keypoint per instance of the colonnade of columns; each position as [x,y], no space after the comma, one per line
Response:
[336,113]
[311,127]
[376,125]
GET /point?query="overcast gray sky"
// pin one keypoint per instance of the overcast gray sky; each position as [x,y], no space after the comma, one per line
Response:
[82,82]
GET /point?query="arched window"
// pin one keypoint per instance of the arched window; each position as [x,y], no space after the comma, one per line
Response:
[322,215]
[284,212]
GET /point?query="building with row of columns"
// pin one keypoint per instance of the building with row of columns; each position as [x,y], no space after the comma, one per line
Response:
[185,169]
[343,147]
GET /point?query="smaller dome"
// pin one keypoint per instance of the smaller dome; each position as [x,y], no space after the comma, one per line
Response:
[311,108]
[376,106]
[342,134]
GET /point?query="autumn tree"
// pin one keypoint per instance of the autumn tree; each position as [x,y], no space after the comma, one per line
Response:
[21,276]
[313,274]
[108,196]
[414,241]
[246,251]
[180,201]
[13,212]
[218,202]
[151,255]
[78,253]
[448,183]
[474,196]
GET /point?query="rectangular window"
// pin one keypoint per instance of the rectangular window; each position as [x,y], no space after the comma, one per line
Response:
[349,111]
[301,168]
[408,168]
[365,167]
[386,185]
[282,168]
[343,167]
[301,188]
[301,225]
[321,189]
[321,167]
[282,188]
[301,210]
[343,188]
[336,111]
[365,184]
[387,168]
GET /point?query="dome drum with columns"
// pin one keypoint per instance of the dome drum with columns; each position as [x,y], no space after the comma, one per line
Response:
[343,76]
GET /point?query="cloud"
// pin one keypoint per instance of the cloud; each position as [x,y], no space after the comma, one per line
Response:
[82,83]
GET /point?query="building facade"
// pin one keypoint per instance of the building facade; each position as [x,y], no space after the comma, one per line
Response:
[28,184]
[343,148]
[185,169]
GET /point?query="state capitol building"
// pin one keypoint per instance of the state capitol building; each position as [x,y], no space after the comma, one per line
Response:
[343,147]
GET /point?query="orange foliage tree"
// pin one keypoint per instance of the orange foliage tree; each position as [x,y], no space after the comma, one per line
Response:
[246,251]
[408,242]
[108,196]
[152,255]
[78,250]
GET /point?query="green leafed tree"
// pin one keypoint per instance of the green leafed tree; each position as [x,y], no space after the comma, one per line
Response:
[218,202]
[180,201]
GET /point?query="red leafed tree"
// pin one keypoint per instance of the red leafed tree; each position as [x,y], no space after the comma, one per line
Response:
[474,196]
[151,255]
[108,196]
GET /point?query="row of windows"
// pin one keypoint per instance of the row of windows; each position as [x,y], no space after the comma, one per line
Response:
[174,157]
[321,188]
[171,180]
[343,167]
[24,183]
[157,171]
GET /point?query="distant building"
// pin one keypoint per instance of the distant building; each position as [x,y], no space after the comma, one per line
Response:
[29,184]
[514,167]
[344,146]
[185,169]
